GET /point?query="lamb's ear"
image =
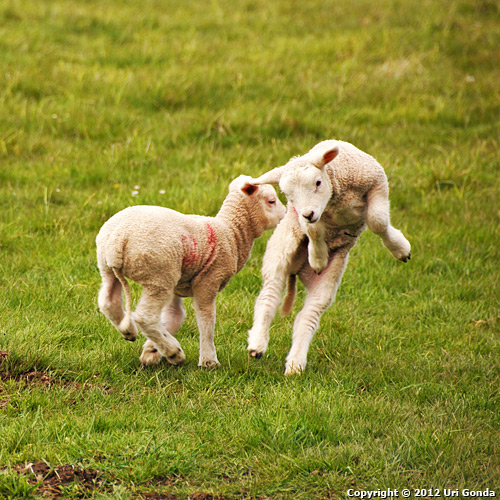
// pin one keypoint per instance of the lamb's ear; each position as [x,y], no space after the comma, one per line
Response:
[249,189]
[327,156]
[271,177]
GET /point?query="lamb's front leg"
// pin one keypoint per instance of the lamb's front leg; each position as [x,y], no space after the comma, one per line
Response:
[281,253]
[204,306]
[318,255]
[321,291]
[266,306]
[317,247]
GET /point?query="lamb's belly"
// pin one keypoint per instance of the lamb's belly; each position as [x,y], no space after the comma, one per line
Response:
[336,237]
[184,287]
[344,226]
[347,216]
[183,290]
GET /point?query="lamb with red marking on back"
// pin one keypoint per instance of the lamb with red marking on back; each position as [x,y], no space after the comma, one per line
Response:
[172,256]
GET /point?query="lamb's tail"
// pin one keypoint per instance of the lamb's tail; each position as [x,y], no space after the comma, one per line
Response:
[290,294]
[127,326]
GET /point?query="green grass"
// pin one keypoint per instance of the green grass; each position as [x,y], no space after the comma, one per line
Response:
[402,385]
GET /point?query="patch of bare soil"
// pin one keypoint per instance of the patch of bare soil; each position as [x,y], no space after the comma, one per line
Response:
[38,378]
[32,378]
[168,496]
[158,496]
[56,482]
[52,481]
[205,496]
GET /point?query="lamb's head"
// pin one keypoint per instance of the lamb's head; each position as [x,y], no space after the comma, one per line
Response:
[305,182]
[263,204]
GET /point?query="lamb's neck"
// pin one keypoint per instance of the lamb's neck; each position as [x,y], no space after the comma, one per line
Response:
[242,229]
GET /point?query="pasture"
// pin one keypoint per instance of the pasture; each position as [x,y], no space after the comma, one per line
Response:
[106,104]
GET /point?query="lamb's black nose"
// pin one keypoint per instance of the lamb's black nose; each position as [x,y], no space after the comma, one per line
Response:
[309,216]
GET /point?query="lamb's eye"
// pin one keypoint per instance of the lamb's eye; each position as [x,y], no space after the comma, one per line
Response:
[272,202]
[318,183]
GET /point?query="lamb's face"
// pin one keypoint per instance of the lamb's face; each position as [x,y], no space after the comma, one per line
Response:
[308,188]
[305,182]
[272,208]
[262,199]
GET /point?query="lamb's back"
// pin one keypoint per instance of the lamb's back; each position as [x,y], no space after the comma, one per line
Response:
[145,240]
[354,169]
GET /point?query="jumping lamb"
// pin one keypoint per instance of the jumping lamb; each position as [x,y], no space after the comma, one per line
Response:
[333,192]
[172,255]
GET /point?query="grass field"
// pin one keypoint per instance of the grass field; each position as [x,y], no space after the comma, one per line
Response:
[178,98]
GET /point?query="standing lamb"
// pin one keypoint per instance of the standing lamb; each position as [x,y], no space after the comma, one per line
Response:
[172,256]
[333,192]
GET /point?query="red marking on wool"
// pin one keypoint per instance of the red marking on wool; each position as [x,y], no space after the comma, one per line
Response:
[294,211]
[212,237]
[212,242]
[191,248]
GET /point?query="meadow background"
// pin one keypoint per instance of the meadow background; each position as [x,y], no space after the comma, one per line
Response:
[178,97]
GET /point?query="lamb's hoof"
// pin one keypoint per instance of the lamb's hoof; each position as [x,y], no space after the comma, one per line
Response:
[128,330]
[178,358]
[255,354]
[318,265]
[406,258]
[150,356]
[319,269]
[209,363]
[294,369]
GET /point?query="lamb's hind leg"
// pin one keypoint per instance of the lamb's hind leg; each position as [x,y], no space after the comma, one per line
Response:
[321,291]
[111,302]
[172,318]
[173,315]
[147,317]
[378,220]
